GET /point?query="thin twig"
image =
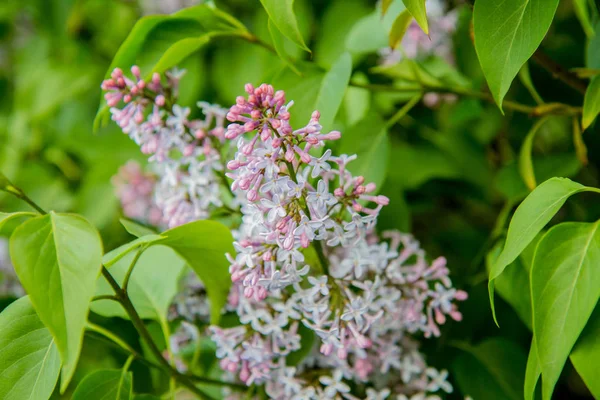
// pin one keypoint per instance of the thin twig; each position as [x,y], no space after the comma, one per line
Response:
[541,110]
[131,267]
[559,72]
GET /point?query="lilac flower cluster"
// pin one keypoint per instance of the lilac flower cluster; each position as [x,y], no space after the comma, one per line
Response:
[135,190]
[308,258]
[185,152]
[9,282]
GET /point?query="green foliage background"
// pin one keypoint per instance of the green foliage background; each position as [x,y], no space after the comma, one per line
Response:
[453,173]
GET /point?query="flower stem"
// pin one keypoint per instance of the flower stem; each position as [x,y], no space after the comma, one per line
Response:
[145,335]
[131,267]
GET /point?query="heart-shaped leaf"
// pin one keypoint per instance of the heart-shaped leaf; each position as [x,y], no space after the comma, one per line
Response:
[58,258]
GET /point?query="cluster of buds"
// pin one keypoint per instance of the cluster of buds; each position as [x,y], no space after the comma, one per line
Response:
[185,153]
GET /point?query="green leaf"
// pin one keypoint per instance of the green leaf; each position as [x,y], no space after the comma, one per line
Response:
[404,155]
[417,9]
[6,217]
[525,163]
[529,219]
[506,34]
[281,12]
[333,29]
[533,372]
[279,44]
[401,24]
[178,52]
[592,59]
[583,14]
[385,4]
[591,103]
[29,359]
[564,292]
[58,258]
[510,285]
[586,353]
[136,229]
[369,140]
[357,101]
[152,286]
[332,90]
[371,32]
[203,244]
[120,252]
[492,370]
[106,384]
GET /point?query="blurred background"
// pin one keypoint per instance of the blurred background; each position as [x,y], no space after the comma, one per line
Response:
[451,174]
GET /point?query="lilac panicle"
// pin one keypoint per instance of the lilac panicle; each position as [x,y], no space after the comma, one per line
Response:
[185,153]
[307,254]
[360,295]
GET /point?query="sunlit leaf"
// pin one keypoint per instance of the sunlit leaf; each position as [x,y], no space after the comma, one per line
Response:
[586,353]
[279,44]
[529,219]
[136,229]
[506,34]
[417,10]
[533,372]
[401,24]
[332,90]
[29,359]
[564,292]
[6,217]
[281,12]
[591,103]
[58,258]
